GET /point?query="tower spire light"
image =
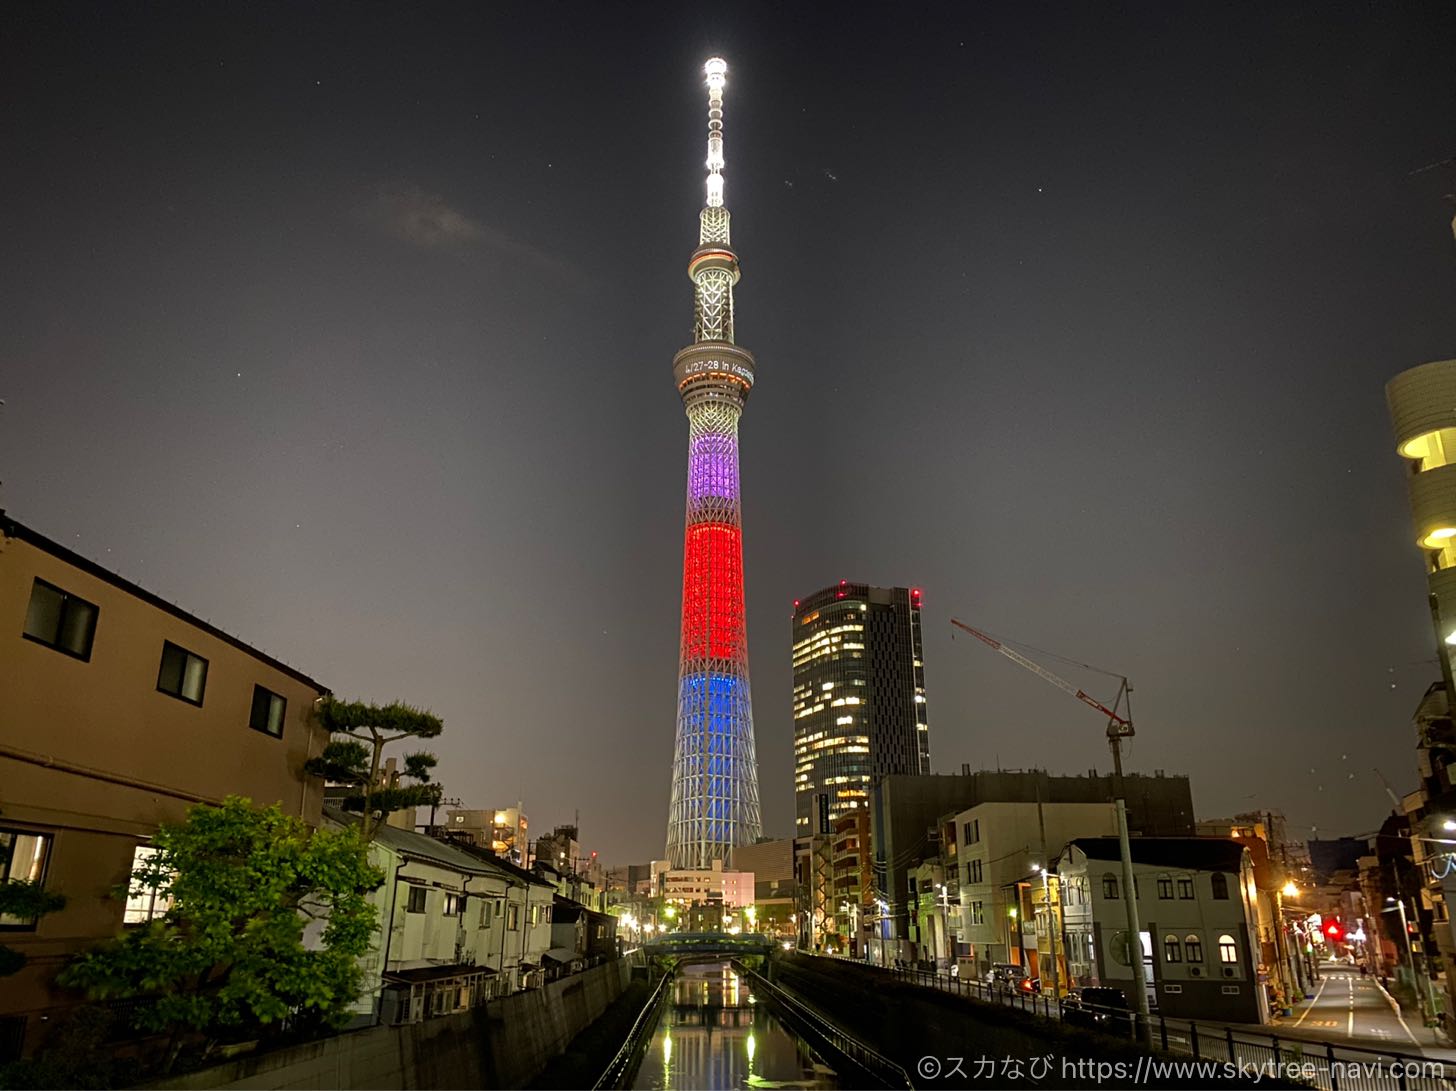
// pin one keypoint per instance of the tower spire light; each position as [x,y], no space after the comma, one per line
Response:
[714,804]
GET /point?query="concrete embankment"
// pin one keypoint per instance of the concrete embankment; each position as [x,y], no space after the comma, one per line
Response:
[931,1033]
[505,1044]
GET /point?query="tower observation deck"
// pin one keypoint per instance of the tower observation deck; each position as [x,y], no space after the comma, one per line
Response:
[714,805]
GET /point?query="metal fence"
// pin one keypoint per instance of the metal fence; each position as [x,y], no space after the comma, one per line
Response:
[818,1030]
[1328,1065]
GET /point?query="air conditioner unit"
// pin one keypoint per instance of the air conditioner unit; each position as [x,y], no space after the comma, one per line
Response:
[1195,971]
[1228,971]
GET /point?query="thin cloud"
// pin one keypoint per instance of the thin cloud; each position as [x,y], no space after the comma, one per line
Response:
[412,215]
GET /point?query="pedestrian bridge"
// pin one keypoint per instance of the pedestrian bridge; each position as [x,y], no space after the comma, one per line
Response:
[708,943]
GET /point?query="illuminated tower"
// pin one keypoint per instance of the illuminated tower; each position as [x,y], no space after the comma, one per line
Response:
[714,771]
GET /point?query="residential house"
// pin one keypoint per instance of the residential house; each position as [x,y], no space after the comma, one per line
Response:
[1197,919]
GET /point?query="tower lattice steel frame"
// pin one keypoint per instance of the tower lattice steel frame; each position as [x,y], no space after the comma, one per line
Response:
[714,804]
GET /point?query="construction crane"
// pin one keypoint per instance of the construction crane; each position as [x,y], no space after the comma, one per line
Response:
[1119,727]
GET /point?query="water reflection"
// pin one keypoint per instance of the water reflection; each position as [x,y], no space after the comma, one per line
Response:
[714,1035]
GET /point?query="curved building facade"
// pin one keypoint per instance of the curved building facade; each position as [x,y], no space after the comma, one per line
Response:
[1422,404]
[859,698]
[714,804]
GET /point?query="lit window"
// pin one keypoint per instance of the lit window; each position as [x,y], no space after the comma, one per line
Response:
[145,899]
[183,675]
[60,620]
[23,857]
[1228,950]
[267,714]
[1172,949]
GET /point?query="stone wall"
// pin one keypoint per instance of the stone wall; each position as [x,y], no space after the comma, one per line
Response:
[505,1044]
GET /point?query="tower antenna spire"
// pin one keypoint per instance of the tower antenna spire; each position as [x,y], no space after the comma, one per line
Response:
[717,73]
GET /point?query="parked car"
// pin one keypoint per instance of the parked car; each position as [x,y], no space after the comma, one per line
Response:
[1097,1007]
[1006,976]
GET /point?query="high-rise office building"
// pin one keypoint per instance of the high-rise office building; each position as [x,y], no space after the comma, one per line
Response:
[714,805]
[859,698]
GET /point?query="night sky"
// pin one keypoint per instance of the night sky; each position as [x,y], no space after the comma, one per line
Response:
[350,329]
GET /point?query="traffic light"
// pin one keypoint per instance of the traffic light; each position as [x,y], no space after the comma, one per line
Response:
[1333,932]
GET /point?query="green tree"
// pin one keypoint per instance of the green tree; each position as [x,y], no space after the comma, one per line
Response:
[28,901]
[356,759]
[228,954]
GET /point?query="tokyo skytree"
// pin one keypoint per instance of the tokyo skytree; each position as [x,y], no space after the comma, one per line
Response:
[714,804]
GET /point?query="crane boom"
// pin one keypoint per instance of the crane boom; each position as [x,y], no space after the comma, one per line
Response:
[1124,725]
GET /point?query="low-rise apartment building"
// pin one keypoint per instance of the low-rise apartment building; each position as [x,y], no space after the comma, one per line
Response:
[120,710]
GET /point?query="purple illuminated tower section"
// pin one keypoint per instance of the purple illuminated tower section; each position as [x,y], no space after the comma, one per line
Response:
[714,804]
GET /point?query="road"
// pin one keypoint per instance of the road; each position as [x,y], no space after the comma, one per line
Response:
[1353,1010]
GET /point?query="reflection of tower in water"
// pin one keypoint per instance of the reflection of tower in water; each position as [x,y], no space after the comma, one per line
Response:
[714,1034]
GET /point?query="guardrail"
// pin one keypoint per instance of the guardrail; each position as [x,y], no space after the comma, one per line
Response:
[1327,1065]
[808,1022]
[636,1039]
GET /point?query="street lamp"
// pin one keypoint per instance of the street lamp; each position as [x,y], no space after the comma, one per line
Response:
[1290,890]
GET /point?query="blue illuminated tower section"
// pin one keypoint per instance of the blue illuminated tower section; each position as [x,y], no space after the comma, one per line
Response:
[714,804]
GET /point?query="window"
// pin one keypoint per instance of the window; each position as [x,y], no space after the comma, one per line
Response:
[1220,886]
[267,714]
[485,912]
[973,831]
[978,913]
[975,872]
[1172,949]
[144,899]
[1185,887]
[454,905]
[1109,886]
[1193,948]
[60,620]
[23,858]
[1165,888]
[417,898]
[183,675]
[513,916]
[1228,949]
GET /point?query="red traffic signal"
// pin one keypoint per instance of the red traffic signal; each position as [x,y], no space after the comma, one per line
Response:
[1334,931]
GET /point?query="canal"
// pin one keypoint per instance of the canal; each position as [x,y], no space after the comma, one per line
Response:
[714,1034]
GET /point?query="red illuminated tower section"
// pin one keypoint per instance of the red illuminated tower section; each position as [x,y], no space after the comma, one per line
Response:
[714,804]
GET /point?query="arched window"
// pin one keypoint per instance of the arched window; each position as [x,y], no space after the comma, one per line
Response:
[1193,947]
[1172,949]
[1109,886]
[1228,949]
[1220,886]
[1165,888]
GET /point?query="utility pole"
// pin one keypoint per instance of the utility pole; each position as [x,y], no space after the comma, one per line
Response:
[1115,734]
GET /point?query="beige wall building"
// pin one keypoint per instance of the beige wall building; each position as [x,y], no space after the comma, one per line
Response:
[994,848]
[119,711]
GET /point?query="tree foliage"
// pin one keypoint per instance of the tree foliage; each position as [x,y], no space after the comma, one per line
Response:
[229,951]
[356,759]
[29,901]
